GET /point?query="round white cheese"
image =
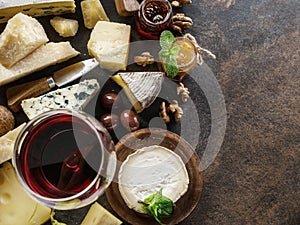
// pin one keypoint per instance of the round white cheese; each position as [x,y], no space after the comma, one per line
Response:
[148,170]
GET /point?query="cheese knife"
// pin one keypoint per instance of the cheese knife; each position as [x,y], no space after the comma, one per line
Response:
[16,94]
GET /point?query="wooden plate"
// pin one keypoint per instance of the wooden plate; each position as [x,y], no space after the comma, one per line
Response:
[155,136]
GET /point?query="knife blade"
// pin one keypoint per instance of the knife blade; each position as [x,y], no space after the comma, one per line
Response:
[16,94]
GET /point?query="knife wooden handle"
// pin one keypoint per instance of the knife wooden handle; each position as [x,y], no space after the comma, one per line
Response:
[15,95]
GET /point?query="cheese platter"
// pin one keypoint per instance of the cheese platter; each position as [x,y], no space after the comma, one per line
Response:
[154,100]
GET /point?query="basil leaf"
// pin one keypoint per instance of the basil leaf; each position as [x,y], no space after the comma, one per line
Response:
[166,39]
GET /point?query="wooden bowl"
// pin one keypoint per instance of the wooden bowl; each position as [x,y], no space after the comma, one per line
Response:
[155,136]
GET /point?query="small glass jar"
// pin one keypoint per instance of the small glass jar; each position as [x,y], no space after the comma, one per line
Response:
[186,58]
[64,159]
[153,17]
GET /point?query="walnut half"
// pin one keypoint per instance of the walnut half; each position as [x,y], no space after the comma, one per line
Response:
[144,59]
[181,22]
[180,3]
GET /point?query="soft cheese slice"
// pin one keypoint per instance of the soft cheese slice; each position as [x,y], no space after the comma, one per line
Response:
[16,207]
[97,215]
[142,88]
[92,12]
[46,55]
[109,44]
[74,97]
[21,36]
[7,143]
[35,8]
[148,170]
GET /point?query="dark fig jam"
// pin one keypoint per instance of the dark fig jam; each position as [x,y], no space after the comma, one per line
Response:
[153,17]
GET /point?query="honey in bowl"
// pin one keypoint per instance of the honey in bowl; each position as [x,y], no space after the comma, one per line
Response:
[186,58]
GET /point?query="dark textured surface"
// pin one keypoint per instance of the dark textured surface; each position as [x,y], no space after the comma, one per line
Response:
[255,178]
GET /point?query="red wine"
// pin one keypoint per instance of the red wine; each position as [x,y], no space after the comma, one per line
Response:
[60,157]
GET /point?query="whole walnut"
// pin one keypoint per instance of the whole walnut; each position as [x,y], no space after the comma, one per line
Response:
[7,120]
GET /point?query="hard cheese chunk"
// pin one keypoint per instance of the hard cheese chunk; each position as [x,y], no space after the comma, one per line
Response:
[64,27]
[74,97]
[7,143]
[92,12]
[35,8]
[22,35]
[16,207]
[46,55]
[109,44]
[97,215]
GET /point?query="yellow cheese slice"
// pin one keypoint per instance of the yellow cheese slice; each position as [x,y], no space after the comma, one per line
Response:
[21,36]
[16,207]
[92,12]
[109,44]
[35,8]
[46,55]
[7,143]
[97,215]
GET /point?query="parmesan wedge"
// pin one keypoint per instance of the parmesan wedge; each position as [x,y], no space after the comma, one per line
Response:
[64,27]
[46,55]
[21,36]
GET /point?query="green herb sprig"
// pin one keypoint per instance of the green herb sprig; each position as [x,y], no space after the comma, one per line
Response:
[158,206]
[168,53]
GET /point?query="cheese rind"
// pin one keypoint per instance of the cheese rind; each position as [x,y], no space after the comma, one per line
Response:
[35,8]
[92,12]
[148,170]
[97,215]
[16,207]
[74,97]
[44,56]
[109,44]
[21,36]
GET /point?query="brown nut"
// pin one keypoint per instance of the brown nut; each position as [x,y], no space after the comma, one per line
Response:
[129,120]
[110,100]
[7,120]
[110,121]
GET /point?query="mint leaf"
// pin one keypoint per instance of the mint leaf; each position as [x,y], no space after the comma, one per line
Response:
[171,67]
[166,39]
[158,206]
[174,50]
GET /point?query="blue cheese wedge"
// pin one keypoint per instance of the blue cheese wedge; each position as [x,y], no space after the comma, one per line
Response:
[148,170]
[44,56]
[21,36]
[35,8]
[109,44]
[74,97]
[142,88]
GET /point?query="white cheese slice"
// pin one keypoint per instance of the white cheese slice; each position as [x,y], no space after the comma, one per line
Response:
[35,8]
[148,170]
[16,207]
[46,55]
[7,143]
[73,97]
[109,44]
[21,36]
[97,215]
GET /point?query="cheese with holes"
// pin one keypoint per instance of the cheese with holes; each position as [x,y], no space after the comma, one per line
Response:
[97,215]
[16,207]
[109,44]
[64,27]
[35,8]
[92,12]
[21,36]
[44,56]
[141,88]
[148,170]
[7,143]
[74,97]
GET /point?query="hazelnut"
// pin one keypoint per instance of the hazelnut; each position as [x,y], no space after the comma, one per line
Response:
[7,120]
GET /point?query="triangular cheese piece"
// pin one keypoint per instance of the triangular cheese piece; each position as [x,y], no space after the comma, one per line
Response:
[74,97]
[142,88]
